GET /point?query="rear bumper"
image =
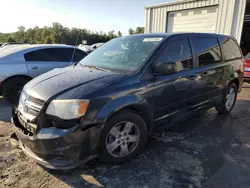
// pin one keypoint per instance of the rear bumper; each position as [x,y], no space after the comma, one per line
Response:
[60,149]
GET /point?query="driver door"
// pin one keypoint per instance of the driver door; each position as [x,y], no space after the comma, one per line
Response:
[176,93]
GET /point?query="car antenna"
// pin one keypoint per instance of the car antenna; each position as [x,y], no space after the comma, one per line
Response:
[75,48]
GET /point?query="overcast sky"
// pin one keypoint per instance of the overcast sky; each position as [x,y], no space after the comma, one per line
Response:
[95,15]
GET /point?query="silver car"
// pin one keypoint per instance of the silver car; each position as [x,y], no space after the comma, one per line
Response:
[21,63]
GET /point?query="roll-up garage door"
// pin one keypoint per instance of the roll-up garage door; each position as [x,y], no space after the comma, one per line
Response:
[193,20]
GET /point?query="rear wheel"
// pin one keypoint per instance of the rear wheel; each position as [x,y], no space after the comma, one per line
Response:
[229,98]
[12,89]
[124,136]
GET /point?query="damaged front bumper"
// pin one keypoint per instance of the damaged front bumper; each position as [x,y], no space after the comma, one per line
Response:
[57,148]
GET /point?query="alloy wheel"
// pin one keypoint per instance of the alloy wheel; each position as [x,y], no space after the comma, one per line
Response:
[122,139]
[230,98]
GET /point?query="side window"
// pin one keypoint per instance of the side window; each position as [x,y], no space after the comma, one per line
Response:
[63,54]
[207,50]
[79,55]
[178,51]
[38,55]
[229,48]
[50,54]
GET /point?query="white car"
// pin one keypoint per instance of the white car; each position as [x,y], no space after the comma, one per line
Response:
[93,47]
[21,63]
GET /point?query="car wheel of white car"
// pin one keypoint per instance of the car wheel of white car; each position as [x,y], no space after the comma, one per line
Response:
[12,89]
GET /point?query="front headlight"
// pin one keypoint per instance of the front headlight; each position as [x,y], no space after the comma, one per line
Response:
[68,109]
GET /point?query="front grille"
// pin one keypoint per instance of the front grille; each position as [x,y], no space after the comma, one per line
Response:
[28,128]
[36,101]
[30,106]
[32,111]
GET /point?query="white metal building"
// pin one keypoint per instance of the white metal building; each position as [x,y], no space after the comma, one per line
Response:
[209,16]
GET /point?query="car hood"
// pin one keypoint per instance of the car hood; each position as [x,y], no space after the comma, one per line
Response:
[62,80]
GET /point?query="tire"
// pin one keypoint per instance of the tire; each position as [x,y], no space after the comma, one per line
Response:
[222,108]
[122,120]
[12,89]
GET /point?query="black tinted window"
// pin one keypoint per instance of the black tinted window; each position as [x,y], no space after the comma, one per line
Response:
[229,48]
[50,54]
[178,51]
[207,50]
[79,55]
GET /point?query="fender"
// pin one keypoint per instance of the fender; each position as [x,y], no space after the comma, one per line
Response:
[140,105]
[235,78]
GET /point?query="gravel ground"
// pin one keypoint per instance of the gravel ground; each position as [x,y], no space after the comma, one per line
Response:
[211,151]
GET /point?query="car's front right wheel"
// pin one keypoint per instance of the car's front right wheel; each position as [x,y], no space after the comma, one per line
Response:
[123,137]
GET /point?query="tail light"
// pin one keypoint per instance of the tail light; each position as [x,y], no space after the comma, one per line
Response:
[244,64]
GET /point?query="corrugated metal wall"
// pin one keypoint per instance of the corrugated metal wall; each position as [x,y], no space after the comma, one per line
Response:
[158,15]
[230,15]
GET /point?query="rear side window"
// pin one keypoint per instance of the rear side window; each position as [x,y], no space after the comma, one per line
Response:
[78,55]
[229,48]
[207,50]
[178,51]
[50,54]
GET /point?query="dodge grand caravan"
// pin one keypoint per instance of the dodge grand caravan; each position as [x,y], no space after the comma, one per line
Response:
[108,103]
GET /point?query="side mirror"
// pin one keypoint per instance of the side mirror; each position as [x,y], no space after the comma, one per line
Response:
[167,68]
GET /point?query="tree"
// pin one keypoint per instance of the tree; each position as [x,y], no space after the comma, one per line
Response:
[20,34]
[48,40]
[111,34]
[119,34]
[139,30]
[57,30]
[57,33]
[131,31]
[10,39]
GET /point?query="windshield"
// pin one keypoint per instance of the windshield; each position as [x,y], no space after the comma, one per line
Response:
[126,54]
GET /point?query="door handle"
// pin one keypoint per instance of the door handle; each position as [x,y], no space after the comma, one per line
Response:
[192,77]
[35,67]
[205,73]
[209,72]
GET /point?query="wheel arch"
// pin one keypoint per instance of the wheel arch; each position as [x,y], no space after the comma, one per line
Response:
[127,103]
[235,81]
[12,77]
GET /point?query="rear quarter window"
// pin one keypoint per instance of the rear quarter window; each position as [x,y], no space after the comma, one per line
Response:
[50,54]
[229,48]
[78,55]
[207,50]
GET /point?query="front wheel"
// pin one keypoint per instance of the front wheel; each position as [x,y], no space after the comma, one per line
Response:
[229,98]
[12,89]
[124,136]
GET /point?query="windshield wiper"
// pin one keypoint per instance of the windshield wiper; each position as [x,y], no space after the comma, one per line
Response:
[97,68]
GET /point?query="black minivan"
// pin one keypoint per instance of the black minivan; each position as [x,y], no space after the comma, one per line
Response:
[108,103]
